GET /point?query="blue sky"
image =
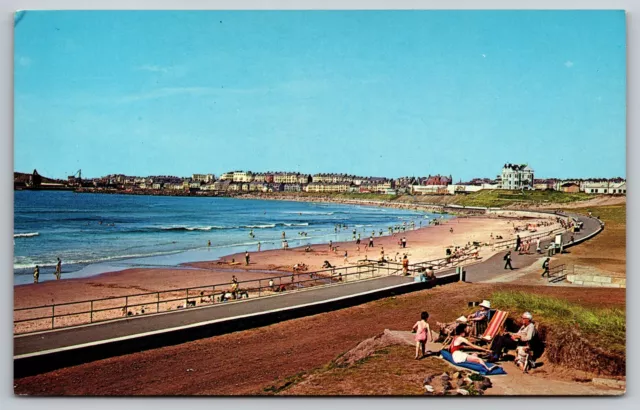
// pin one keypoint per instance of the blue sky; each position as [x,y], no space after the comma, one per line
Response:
[385,93]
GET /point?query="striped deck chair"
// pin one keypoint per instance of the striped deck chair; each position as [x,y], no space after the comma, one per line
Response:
[493,328]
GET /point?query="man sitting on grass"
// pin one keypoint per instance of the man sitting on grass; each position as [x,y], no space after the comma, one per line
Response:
[511,341]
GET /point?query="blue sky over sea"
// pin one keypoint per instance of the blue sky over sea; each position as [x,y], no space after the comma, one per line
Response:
[383,93]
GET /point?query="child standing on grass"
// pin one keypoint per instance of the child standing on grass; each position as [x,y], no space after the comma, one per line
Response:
[423,334]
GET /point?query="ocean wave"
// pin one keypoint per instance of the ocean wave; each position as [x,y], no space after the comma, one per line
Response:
[297,224]
[257,226]
[185,228]
[28,263]
[311,212]
[26,235]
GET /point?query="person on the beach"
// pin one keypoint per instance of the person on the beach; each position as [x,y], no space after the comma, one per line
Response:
[234,286]
[258,246]
[459,342]
[271,284]
[404,242]
[246,257]
[371,241]
[58,269]
[286,245]
[346,257]
[545,268]
[405,265]
[358,240]
[330,245]
[36,274]
[507,258]
[429,273]
[380,232]
[451,229]
[208,243]
[284,235]
[423,334]
[518,243]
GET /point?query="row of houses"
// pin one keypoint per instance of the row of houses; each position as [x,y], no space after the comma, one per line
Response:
[513,177]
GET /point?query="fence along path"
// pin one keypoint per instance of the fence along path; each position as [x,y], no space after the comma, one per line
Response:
[61,315]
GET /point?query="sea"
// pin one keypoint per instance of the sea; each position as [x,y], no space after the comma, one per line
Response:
[97,233]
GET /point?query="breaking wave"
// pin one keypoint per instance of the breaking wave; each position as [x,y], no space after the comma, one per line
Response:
[26,235]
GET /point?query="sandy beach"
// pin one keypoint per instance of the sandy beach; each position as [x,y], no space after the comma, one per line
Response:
[426,243]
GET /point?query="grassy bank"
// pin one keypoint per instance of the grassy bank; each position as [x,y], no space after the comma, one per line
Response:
[484,198]
[606,251]
[606,327]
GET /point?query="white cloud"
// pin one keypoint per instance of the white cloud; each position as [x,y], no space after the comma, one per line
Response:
[194,91]
[153,68]
[568,64]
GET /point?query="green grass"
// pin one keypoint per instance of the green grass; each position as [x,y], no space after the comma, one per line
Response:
[484,198]
[613,214]
[501,198]
[607,327]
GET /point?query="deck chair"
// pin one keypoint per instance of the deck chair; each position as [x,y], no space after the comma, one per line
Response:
[493,328]
[481,326]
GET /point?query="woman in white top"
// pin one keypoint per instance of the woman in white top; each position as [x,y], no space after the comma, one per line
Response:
[460,342]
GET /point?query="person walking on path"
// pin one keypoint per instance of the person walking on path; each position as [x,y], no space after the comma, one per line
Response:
[58,269]
[258,246]
[518,243]
[358,240]
[405,265]
[545,268]
[538,250]
[371,241]
[284,235]
[423,334]
[246,257]
[36,274]
[507,258]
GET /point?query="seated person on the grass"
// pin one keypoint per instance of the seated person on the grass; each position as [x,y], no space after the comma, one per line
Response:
[481,317]
[460,342]
[449,329]
[511,341]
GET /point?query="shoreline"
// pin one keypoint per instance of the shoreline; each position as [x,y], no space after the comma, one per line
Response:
[425,243]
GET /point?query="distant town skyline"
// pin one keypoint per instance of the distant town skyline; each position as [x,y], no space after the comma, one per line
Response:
[384,93]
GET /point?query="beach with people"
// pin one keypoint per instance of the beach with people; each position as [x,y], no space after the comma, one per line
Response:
[472,236]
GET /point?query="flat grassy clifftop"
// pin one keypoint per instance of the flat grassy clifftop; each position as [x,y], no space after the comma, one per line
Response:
[502,198]
[484,198]
[607,251]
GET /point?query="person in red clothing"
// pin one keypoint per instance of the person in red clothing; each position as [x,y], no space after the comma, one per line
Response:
[459,342]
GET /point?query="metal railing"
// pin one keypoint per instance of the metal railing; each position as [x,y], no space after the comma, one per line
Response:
[508,243]
[61,315]
[557,273]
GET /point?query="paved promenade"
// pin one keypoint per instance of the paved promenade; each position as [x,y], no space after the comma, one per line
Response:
[83,336]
